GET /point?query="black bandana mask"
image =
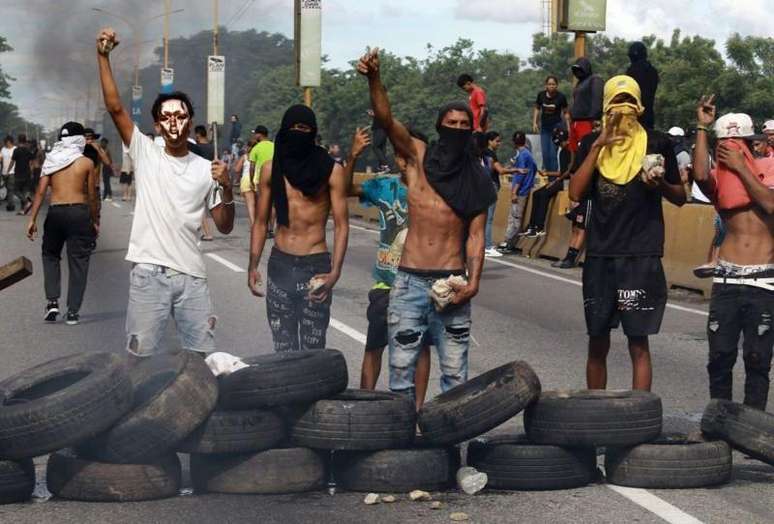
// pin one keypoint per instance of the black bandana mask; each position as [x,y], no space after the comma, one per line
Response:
[456,173]
[298,160]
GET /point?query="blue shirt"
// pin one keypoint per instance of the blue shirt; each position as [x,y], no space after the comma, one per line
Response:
[523,159]
[390,197]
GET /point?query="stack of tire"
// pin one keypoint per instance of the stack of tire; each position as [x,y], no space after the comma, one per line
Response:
[564,430]
[111,429]
[244,446]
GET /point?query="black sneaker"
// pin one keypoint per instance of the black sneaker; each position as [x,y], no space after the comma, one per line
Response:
[270,234]
[531,233]
[52,311]
[567,263]
[72,319]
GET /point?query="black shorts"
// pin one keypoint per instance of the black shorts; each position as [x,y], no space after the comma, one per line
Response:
[579,215]
[378,302]
[631,291]
[125,178]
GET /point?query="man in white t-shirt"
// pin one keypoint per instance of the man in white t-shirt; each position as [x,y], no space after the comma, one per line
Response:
[173,186]
[6,154]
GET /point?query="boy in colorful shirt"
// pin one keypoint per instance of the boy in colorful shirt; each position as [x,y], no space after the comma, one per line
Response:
[387,193]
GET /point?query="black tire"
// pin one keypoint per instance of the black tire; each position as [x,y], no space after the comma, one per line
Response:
[17,480]
[62,403]
[236,432]
[512,462]
[174,394]
[356,419]
[592,418]
[747,429]
[670,462]
[73,478]
[479,405]
[280,379]
[396,470]
[275,471]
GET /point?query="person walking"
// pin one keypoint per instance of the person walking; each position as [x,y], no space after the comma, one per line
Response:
[6,154]
[21,166]
[551,106]
[72,219]
[107,171]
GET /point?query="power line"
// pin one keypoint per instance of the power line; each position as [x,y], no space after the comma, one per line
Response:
[241,11]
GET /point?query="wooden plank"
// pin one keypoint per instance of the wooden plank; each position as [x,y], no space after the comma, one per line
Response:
[15,271]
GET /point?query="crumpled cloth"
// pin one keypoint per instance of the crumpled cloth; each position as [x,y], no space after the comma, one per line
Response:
[652,163]
[221,363]
[442,292]
[65,152]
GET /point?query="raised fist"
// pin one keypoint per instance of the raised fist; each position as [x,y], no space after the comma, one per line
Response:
[368,64]
[106,41]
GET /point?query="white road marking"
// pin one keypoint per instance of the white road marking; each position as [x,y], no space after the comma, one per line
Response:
[655,505]
[557,277]
[115,204]
[225,262]
[349,331]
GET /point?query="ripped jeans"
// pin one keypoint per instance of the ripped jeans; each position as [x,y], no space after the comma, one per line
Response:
[741,309]
[155,294]
[412,316]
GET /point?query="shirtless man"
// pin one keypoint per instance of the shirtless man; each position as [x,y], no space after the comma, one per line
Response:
[304,185]
[448,196]
[742,190]
[73,218]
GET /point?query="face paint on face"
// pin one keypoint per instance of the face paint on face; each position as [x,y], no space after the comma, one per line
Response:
[174,120]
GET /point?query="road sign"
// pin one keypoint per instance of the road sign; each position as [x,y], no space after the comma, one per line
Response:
[216,89]
[137,104]
[308,42]
[582,15]
[167,79]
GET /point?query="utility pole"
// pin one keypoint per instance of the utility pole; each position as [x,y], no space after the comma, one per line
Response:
[167,9]
[215,34]
[580,44]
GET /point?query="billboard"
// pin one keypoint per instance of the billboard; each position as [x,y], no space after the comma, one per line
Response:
[136,104]
[307,41]
[167,79]
[216,89]
[582,15]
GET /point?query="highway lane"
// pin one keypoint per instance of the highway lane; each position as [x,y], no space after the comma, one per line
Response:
[519,314]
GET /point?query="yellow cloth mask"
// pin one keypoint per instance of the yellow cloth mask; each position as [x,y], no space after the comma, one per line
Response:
[619,163]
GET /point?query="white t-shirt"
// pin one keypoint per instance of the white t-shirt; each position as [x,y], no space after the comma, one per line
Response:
[7,153]
[683,159]
[172,194]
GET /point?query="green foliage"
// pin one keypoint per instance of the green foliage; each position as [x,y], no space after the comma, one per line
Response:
[10,121]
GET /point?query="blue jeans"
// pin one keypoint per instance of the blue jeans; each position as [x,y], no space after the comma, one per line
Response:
[155,294]
[411,316]
[489,221]
[548,149]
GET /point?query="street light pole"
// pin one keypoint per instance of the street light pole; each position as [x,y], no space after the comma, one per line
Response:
[215,35]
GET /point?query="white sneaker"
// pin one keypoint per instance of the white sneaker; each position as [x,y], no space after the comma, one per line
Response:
[492,253]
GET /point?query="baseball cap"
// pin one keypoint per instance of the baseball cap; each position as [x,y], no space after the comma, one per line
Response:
[736,125]
[768,126]
[676,131]
[261,130]
[71,129]
[90,131]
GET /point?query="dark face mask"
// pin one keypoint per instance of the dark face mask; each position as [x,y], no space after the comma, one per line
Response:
[455,140]
[298,143]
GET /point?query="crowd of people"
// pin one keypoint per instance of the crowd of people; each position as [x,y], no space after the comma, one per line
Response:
[435,221]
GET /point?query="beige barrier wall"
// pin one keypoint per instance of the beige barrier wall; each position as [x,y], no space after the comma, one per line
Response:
[688,233]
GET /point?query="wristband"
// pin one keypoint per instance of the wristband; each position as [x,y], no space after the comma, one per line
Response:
[702,128]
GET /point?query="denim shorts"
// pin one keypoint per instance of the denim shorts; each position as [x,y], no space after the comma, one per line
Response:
[157,293]
[411,319]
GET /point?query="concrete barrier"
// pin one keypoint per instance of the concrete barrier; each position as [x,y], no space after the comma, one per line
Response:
[688,233]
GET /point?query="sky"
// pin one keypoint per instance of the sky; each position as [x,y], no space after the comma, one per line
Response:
[55,69]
